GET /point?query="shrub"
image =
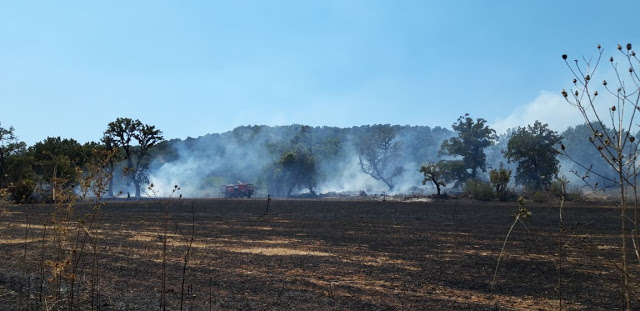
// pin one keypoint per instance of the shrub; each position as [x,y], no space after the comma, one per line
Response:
[575,194]
[478,189]
[22,191]
[570,193]
[499,179]
[540,196]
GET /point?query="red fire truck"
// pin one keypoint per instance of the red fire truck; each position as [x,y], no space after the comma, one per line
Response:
[238,190]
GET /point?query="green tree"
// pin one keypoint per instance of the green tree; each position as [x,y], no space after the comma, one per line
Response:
[20,176]
[16,166]
[378,154]
[123,132]
[57,163]
[9,145]
[473,137]
[295,168]
[533,148]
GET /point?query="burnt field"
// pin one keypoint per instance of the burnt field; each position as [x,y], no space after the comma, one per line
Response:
[309,255]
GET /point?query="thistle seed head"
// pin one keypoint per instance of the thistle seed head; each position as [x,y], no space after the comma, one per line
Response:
[564,56]
[628,46]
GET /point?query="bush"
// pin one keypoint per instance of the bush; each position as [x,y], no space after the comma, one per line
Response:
[556,189]
[540,196]
[575,194]
[570,193]
[478,189]
[499,179]
[22,191]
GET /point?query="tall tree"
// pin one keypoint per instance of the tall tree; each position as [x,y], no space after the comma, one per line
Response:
[20,176]
[297,169]
[57,163]
[296,166]
[473,137]
[379,153]
[122,133]
[9,145]
[97,173]
[16,168]
[534,149]
[110,148]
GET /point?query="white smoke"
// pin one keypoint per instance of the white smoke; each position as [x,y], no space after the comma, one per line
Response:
[200,166]
[549,108]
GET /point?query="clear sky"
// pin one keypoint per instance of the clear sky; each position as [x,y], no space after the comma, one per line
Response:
[68,68]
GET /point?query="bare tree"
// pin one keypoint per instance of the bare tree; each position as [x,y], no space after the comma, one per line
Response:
[378,154]
[617,110]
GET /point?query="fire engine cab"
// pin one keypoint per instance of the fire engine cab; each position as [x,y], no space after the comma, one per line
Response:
[238,190]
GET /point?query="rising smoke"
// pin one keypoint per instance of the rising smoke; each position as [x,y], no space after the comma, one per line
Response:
[201,166]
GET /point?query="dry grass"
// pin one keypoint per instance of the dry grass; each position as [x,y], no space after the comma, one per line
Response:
[276,251]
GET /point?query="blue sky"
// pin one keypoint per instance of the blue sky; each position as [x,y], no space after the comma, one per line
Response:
[68,68]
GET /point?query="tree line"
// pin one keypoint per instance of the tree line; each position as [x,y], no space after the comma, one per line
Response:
[54,166]
[296,159]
